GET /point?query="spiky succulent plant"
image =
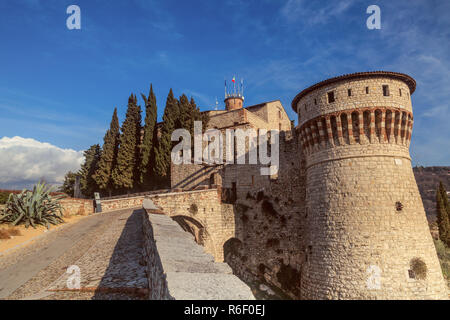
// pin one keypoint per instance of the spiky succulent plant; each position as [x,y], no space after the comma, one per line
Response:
[33,208]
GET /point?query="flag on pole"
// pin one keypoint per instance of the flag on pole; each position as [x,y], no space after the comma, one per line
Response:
[234,79]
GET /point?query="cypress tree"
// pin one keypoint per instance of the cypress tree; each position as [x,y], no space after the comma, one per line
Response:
[148,143]
[185,113]
[108,156]
[162,154]
[442,208]
[123,172]
[138,148]
[197,115]
[87,182]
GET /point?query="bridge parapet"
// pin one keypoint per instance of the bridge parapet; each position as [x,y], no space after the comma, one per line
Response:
[178,268]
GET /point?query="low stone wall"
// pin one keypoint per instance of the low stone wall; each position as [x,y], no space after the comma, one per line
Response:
[122,203]
[74,206]
[178,268]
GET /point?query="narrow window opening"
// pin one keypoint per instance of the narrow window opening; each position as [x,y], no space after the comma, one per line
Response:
[385,90]
[315,102]
[367,90]
[399,206]
[330,97]
[400,92]
[349,92]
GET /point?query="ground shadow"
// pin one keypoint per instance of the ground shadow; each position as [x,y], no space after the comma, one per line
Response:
[125,277]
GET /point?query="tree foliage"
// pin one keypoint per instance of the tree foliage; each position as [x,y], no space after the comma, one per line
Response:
[68,187]
[108,157]
[123,173]
[149,140]
[443,214]
[162,154]
[87,183]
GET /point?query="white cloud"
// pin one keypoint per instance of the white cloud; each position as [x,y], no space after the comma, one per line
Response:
[24,161]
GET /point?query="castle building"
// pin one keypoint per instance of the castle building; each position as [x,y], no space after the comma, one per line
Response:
[343,217]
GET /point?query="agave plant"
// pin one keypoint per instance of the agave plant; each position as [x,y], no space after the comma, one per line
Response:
[33,207]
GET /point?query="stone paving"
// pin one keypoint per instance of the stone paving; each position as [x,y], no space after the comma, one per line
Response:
[109,258]
[112,268]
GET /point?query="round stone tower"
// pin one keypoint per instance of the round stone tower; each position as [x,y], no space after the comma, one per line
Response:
[234,102]
[367,233]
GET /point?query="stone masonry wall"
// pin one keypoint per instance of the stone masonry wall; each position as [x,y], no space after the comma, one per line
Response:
[73,206]
[121,203]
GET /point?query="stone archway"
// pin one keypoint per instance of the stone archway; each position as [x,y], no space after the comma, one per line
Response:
[198,230]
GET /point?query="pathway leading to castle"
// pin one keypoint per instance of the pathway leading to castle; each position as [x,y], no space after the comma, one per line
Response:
[105,247]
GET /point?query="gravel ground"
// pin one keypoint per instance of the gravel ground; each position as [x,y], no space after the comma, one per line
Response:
[108,258]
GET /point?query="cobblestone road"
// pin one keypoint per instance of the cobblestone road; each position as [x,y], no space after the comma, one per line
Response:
[108,257]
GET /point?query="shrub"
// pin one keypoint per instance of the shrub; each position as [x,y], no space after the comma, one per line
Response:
[3,197]
[193,209]
[419,268]
[33,208]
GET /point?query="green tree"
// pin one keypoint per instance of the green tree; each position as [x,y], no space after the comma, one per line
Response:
[108,156]
[197,115]
[68,185]
[123,173]
[87,171]
[162,154]
[443,212]
[138,147]
[149,140]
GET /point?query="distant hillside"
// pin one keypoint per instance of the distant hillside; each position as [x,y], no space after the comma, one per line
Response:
[427,180]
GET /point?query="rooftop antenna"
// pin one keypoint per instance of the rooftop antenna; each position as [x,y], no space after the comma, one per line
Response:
[225,88]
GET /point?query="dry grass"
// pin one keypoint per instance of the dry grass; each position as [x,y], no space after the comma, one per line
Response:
[4,234]
[8,233]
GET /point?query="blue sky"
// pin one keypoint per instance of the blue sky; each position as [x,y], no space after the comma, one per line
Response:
[60,86]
